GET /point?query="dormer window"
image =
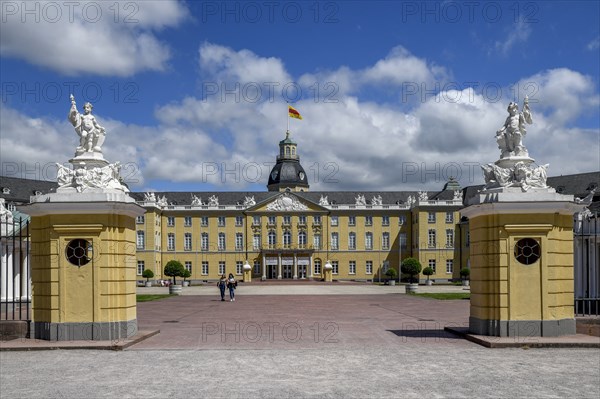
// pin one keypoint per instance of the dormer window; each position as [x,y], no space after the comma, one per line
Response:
[5,190]
[37,192]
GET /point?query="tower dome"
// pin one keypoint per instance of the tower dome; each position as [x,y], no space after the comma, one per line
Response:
[287,172]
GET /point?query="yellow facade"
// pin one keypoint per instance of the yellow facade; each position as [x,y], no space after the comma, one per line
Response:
[368,241]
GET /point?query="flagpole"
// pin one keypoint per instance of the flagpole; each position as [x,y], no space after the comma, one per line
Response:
[288,118]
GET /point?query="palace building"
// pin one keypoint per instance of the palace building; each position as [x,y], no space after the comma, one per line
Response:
[289,232]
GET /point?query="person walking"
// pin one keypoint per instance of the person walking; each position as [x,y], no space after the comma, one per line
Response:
[231,284]
[222,283]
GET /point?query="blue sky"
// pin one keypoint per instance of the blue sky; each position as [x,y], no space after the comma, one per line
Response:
[395,95]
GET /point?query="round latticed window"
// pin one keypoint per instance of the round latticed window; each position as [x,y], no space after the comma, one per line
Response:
[79,252]
[527,251]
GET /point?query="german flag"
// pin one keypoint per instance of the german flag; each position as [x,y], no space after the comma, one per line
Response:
[293,113]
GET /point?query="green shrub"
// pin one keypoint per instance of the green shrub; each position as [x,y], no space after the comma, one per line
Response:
[465,273]
[428,271]
[147,274]
[186,274]
[411,266]
[174,268]
[391,273]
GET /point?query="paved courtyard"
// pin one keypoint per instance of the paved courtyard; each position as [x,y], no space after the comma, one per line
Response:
[323,341]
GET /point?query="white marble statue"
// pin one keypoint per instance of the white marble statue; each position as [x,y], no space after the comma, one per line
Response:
[91,134]
[213,200]
[360,200]
[423,196]
[410,201]
[249,201]
[149,197]
[6,216]
[587,200]
[323,201]
[162,201]
[510,136]
[457,195]
[196,201]
[522,175]
[286,202]
[376,200]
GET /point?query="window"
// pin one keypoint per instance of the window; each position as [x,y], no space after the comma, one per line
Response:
[188,266]
[302,220]
[256,220]
[317,241]
[368,240]
[385,220]
[385,241]
[204,241]
[432,264]
[287,239]
[369,267]
[205,268]
[139,219]
[239,242]
[187,221]
[140,240]
[140,267]
[302,239]
[317,220]
[187,242]
[256,241]
[335,268]
[287,220]
[317,266]
[368,220]
[449,217]
[204,221]
[352,267]
[430,217]
[171,242]
[221,221]
[239,221]
[449,238]
[449,266]
[170,221]
[334,241]
[431,238]
[221,242]
[221,268]
[351,220]
[239,267]
[272,220]
[272,239]
[402,239]
[256,267]
[352,241]
[401,220]
[334,220]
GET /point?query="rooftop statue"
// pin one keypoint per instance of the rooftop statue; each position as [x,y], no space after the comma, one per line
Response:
[91,134]
[510,136]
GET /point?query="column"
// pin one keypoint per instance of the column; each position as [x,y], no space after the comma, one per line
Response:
[295,267]
[279,266]
[310,267]
[264,268]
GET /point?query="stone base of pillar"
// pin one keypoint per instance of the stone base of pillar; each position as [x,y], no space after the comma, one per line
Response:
[522,328]
[84,331]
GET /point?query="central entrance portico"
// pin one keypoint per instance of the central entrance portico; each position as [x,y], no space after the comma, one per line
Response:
[286,264]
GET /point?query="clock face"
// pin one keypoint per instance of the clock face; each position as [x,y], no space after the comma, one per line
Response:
[274,174]
[301,174]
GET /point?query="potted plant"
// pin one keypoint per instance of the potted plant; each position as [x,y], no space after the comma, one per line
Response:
[186,274]
[464,276]
[174,268]
[148,274]
[412,267]
[392,274]
[428,271]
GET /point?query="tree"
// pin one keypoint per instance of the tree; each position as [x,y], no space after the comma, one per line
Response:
[174,268]
[428,271]
[411,266]
[464,273]
[391,273]
[147,274]
[186,274]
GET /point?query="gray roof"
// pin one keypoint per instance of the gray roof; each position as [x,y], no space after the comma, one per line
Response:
[22,189]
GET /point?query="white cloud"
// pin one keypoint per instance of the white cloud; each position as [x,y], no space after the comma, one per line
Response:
[594,44]
[518,33]
[103,38]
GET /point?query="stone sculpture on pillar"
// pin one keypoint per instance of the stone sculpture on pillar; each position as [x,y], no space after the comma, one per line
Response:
[514,168]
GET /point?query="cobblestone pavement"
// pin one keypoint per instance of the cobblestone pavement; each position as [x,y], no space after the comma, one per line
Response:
[279,346]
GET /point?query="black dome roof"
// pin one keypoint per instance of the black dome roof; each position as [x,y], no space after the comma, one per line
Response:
[288,172]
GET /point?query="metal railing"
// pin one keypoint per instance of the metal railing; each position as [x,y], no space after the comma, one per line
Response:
[15,280]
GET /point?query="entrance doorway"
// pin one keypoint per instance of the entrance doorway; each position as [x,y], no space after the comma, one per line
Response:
[301,271]
[286,271]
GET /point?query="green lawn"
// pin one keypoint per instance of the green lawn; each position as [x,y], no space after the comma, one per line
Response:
[147,298]
[449,295]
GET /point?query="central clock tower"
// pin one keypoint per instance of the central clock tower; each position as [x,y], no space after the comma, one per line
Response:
[287,174]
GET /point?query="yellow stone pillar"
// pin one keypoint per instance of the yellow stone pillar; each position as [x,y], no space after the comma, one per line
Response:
[521,254]
[83,266]
[327,272]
